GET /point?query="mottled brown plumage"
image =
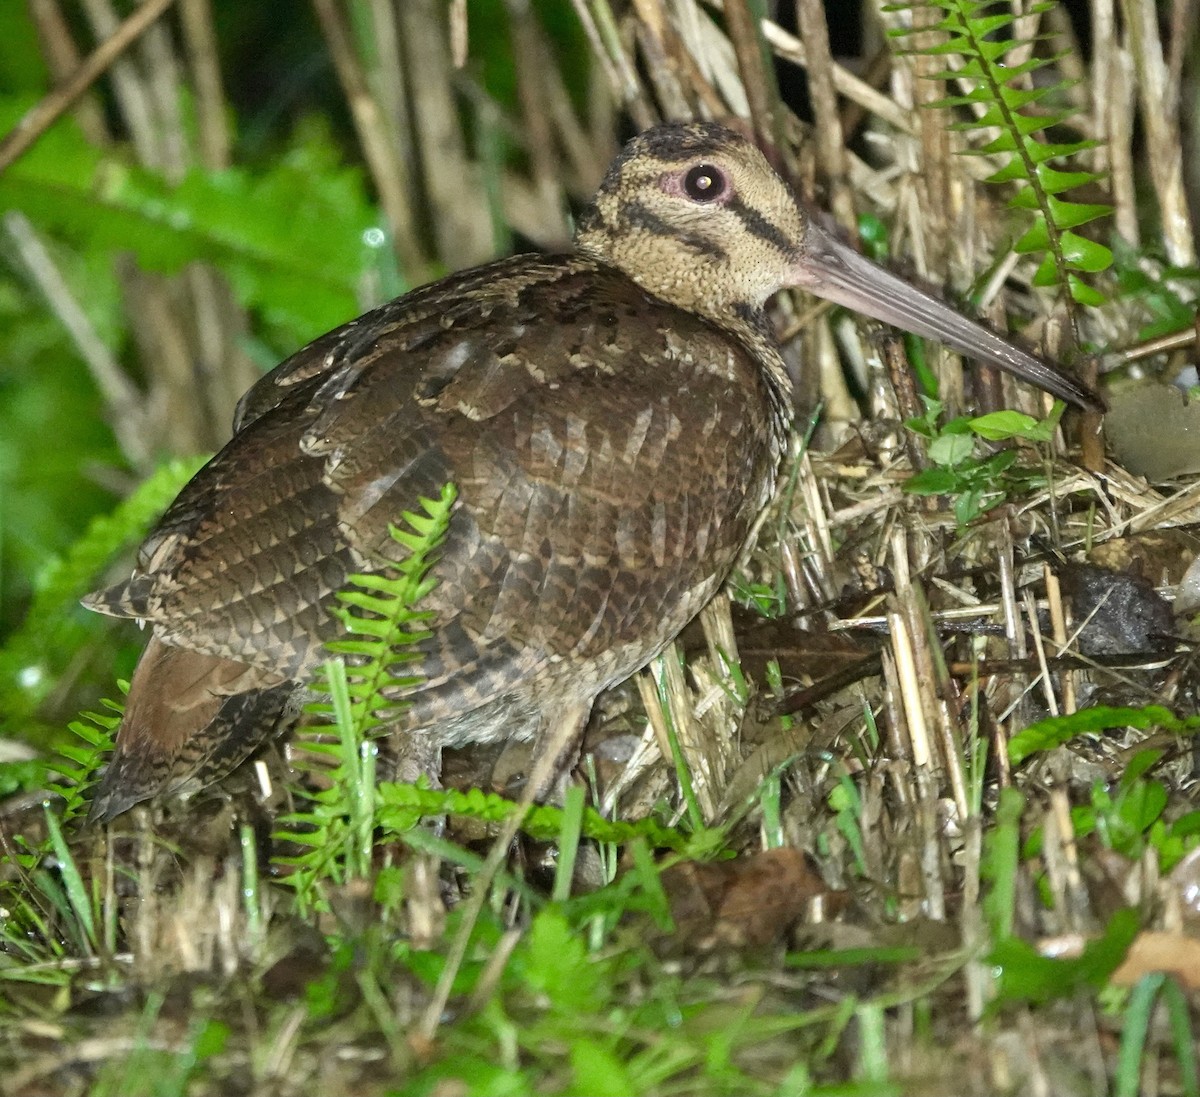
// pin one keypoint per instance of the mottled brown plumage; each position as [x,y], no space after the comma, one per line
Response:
[613,419]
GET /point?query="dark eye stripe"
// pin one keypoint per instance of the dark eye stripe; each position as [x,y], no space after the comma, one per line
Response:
[757,225]
[636,215]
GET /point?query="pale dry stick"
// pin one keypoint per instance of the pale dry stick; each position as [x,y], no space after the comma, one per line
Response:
[1182,37]
[453,185]
[62,59]
[600,27]
[206,317]
[831,145]
[460,34]
[45,113]
[856,513]
[716,620]
[531,94]
[1078,904]
[167,346]
[386,81]
[1039,651]
[1113,99]
[546,766]
[1104,51]
[1182,507]
[758,78]
[1058,631]
[1160,117]
[645,756]
[931,846]
[791,48]
[163,81]
[586,155]
[933,687]
[1070,61]
[493,969]
[128,86]
[710,58]
[940,616]
[653,29]
[212,126]
[964,597]
[977,972]
[648,692]
[372,135]
[898,740]
[934,179]
[816,523]
[1008,597]
[285,1043]
[1164,344]
[120,394]
[702,756]
[910,693]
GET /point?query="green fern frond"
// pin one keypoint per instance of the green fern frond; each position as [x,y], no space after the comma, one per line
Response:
[76,768]
[292,240]
[402,805]
[973,31]
[382,625]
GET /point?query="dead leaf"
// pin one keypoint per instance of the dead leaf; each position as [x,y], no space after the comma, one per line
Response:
[1154,431]
[1175,954]
[751,901]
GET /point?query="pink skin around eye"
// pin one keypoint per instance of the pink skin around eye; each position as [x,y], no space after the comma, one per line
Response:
[672,182]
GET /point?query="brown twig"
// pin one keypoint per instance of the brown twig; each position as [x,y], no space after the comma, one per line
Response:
[372,134]
[831,147]
[42,116]
[63,58]
[757,77]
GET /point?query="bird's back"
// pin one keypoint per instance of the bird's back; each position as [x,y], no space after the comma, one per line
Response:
[610,453]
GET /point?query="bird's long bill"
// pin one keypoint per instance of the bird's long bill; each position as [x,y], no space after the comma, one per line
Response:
[836,272]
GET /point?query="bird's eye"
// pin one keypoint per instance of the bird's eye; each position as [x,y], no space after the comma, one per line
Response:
[705,183]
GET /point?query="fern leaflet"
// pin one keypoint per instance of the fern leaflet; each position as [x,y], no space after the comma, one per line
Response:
[1003,95]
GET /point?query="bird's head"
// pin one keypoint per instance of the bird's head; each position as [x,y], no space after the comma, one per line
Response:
[696,216]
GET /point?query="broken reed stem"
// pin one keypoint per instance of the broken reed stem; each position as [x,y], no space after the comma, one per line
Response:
[600,27]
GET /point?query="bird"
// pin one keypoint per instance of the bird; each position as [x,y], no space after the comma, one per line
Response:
[614,419]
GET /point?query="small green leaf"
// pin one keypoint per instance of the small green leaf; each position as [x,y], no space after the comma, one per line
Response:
[951,450]
[1084,254]
[1036,238]
[999,425]
[1083,293]
[932,482]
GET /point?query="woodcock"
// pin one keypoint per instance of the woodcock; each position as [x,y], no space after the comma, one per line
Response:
[614,419]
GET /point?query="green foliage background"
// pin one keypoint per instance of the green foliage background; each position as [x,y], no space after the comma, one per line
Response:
[292,226]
